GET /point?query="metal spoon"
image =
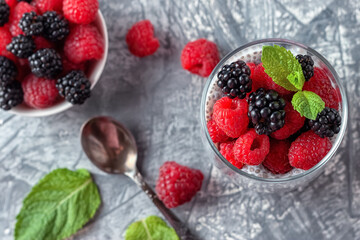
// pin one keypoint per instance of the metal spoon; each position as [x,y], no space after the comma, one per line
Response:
[112,148]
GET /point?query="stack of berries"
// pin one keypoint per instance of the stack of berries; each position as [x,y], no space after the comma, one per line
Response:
[269,126]
[46,47]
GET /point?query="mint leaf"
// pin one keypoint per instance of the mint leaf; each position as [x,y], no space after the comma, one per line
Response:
[308,104]
[58,206]
[281,65]
[151,228]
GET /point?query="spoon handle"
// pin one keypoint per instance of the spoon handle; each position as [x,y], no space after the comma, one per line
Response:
[180,228]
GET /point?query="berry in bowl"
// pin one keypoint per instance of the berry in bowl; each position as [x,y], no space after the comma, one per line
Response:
[273,113]
[51,56]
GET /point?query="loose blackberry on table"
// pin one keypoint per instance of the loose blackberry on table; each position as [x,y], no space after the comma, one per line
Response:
[327,123]
[266,111]
[31,24]
[56,28]
[11,95]
[74,87]
[8,70]
[234,80]
[21,46]
[307,65]
[4,13]
[45,63]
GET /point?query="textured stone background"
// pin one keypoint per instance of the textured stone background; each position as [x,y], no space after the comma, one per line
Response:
[159,102]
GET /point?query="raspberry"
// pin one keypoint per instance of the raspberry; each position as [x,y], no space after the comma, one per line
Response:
[277,161]
[80,11]
[293,123]
[49,5]
[5,39]
[308,150]
[231,116]
[19,10]
[251,148]
[177,184]
[11,3]
[141,40]
[84,43]
[321,85]
[227,150]
[217,135]
[69,66]
[262,80]
[200,57]
[42,43]
[39,92]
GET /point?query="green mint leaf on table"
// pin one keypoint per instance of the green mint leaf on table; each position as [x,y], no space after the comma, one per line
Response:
[308,104]
[281,65]
[58,206]
[151,228]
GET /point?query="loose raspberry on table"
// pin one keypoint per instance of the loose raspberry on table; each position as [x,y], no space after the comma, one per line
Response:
[251,148]
[200,57]
[277,161]
[231,116]
[308,150]
[177,184]
[293,123]
[15,17]
[262,80]
[141,40]
[217,135]
[84,43]
[227,150]
[49,5]
[39,92]
[80,11]
[5,39]
[321,85]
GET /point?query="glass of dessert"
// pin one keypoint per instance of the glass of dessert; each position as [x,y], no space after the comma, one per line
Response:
[273,113]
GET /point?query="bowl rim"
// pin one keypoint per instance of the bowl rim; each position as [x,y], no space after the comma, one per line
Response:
[339,137]
[94,78]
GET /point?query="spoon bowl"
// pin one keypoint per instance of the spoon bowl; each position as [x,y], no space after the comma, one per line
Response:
[109,145]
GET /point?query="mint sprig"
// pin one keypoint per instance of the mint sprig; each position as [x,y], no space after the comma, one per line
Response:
[58,206]
[308,104]
[151,227]
[281,65]
[285,70]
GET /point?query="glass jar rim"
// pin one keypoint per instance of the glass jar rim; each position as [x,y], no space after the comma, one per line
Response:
[344,112]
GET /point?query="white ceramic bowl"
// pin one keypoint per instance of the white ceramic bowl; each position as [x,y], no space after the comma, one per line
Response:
[95,71]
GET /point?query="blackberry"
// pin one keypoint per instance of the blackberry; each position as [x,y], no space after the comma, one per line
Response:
[21,46]
[4,13]
[266,111]
[234,79]
[74,87]
[327,123]
[307,65]
[31,24]
[8,70]
[56,28]
[45,63]
[11,95]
